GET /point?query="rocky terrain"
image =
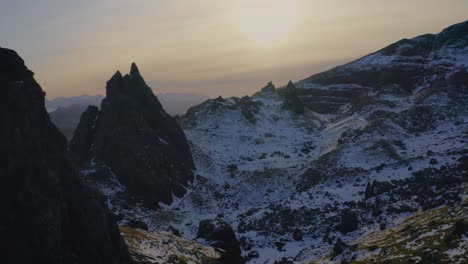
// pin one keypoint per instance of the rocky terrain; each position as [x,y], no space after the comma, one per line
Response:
[432,236]
[48,214]
[166,247]
[132,137]
[333,168]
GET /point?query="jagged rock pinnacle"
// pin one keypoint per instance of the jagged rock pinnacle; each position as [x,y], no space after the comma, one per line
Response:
[291,100]
[269,87]
[135,73]
[117,75]
[153,170]
[134,70]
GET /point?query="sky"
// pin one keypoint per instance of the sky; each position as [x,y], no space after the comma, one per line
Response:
[212,47]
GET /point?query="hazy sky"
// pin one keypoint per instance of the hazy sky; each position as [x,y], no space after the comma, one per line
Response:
[215,47]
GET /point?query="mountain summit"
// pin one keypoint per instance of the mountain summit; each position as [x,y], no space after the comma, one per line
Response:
[137,140]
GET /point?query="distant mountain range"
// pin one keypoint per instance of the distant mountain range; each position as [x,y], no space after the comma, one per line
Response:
[65,111]
[174,103]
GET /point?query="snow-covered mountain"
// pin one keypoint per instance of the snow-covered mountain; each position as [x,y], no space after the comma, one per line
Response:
[315,170]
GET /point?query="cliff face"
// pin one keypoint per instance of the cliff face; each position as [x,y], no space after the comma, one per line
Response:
[84,135]
[48,215]
[143,145]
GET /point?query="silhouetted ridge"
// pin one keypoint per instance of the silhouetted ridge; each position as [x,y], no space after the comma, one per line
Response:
[48,214]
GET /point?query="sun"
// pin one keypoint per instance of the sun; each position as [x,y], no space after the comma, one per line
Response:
[267,22]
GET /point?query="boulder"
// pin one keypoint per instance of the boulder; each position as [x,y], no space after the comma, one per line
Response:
[339,247]
[376,188]
[349,221]
[297,234]
[222,236]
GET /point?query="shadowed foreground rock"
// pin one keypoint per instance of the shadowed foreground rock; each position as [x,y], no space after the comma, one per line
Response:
[48,215]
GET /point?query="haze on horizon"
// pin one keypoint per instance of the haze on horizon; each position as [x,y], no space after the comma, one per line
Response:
[213,47]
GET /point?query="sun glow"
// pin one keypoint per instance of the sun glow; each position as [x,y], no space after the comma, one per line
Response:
[268,22]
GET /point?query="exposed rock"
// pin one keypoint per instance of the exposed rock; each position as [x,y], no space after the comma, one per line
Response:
[463,165]
[174,231]
[425,235]
[339,247]
[48,214]
[101,173]
[297,234]
[248,108]
[291,100]
[135,223]
[143,146]
[269,87]
[349,221]
[84,135]
[252,255]
[376,188]
[222,235]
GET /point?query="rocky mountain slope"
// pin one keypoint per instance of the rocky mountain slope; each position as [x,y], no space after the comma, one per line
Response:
[433,236]
[48,214]
[166,247]
[418,68]
[316,170]
[135,139]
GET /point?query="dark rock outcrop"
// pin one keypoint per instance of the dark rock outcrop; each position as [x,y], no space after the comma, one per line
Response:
[291,100]
[84,135]
[222,236]
[339,247]
[463,165]
[376,188]
[48,214]
[143,145]
[297,234]
[349,221]
[135,223]
[248,108]
[269,87]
